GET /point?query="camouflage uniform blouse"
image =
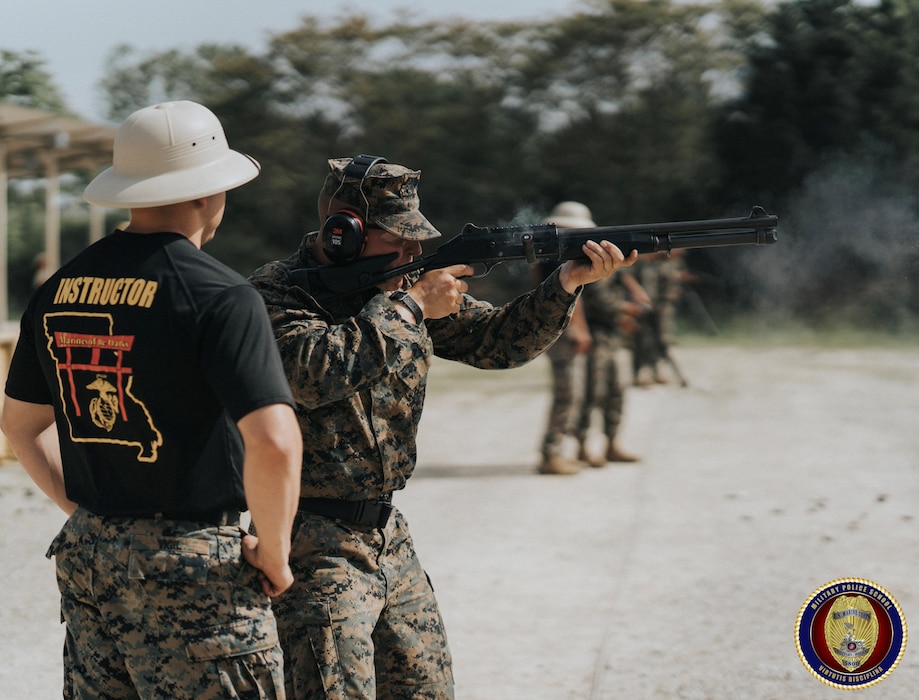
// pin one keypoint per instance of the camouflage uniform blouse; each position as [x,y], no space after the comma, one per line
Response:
[358,370]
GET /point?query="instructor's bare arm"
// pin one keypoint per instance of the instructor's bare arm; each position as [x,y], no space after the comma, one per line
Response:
[32,434]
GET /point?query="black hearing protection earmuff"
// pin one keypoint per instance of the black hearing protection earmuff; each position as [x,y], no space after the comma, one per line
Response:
[343,236]
[344,232]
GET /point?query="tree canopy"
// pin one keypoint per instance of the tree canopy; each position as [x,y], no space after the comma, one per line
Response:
[645,110]
[610,106]
[25,81]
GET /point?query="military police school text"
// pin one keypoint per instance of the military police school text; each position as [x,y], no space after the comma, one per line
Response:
[851,587]
[106,291]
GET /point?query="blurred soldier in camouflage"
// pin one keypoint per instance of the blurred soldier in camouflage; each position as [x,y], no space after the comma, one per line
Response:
[601,318]
[662,275]
[147,399]
[612,309]
[563,361]
[361,620]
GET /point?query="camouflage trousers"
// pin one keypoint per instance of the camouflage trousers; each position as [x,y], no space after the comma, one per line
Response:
[162,609]
[562,410]
[602,389]
[361,620]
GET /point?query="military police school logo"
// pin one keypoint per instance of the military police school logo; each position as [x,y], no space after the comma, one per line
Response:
[850,633]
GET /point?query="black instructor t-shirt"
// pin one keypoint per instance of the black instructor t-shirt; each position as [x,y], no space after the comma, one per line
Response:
[150,350]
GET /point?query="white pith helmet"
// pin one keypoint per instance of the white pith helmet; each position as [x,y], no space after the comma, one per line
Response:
[571,215]
[167,153]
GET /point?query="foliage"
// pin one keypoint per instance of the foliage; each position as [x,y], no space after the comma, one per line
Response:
[610,105]
[830,77]
[24,80]
[646,110]
[826,131]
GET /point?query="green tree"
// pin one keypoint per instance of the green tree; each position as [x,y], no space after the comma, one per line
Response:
[135,80]
[825,134]
[625,93]
[610,106]
[24,80]
[827,78]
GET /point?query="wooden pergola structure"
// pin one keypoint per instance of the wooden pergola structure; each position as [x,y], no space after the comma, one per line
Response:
[37,144]
[41,145]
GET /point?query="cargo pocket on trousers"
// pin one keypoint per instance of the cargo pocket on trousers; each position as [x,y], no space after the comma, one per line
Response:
[243,657]
[311,650]
[182,560]
[233,639]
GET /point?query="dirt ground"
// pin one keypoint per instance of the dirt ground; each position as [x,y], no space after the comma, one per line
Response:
[775,472]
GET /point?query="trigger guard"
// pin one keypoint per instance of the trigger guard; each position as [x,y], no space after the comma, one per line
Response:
[487,267]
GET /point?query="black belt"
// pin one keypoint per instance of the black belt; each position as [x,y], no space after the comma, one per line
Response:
[214,517]
[374,512]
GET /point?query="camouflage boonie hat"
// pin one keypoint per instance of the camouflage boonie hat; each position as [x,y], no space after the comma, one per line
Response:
[387,197]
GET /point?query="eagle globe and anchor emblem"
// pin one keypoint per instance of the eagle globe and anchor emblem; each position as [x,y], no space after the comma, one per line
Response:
[103,409]
[850,633]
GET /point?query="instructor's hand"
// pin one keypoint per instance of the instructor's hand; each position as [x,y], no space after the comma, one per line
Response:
[275,576]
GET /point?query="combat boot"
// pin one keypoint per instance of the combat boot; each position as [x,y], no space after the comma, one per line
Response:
[584,456]
[642,379]
[615,454]
[556,464]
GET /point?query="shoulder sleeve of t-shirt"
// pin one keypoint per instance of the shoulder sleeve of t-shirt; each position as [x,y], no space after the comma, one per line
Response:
[239,354]
[26,381]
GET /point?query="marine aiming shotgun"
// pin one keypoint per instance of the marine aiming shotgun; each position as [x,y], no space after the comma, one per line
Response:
[487,247]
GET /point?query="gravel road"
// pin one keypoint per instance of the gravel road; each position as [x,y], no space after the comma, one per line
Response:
[776,471]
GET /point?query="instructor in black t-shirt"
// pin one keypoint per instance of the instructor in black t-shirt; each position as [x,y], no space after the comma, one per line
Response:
[146,397]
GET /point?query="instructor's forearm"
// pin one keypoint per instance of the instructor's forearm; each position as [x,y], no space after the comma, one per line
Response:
[32,434]
[42,461]
[272,492]
[271,476]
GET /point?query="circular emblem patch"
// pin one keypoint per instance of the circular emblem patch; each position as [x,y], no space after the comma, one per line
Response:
[850,633]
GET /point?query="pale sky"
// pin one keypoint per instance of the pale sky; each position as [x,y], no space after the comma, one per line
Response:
[74,37]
